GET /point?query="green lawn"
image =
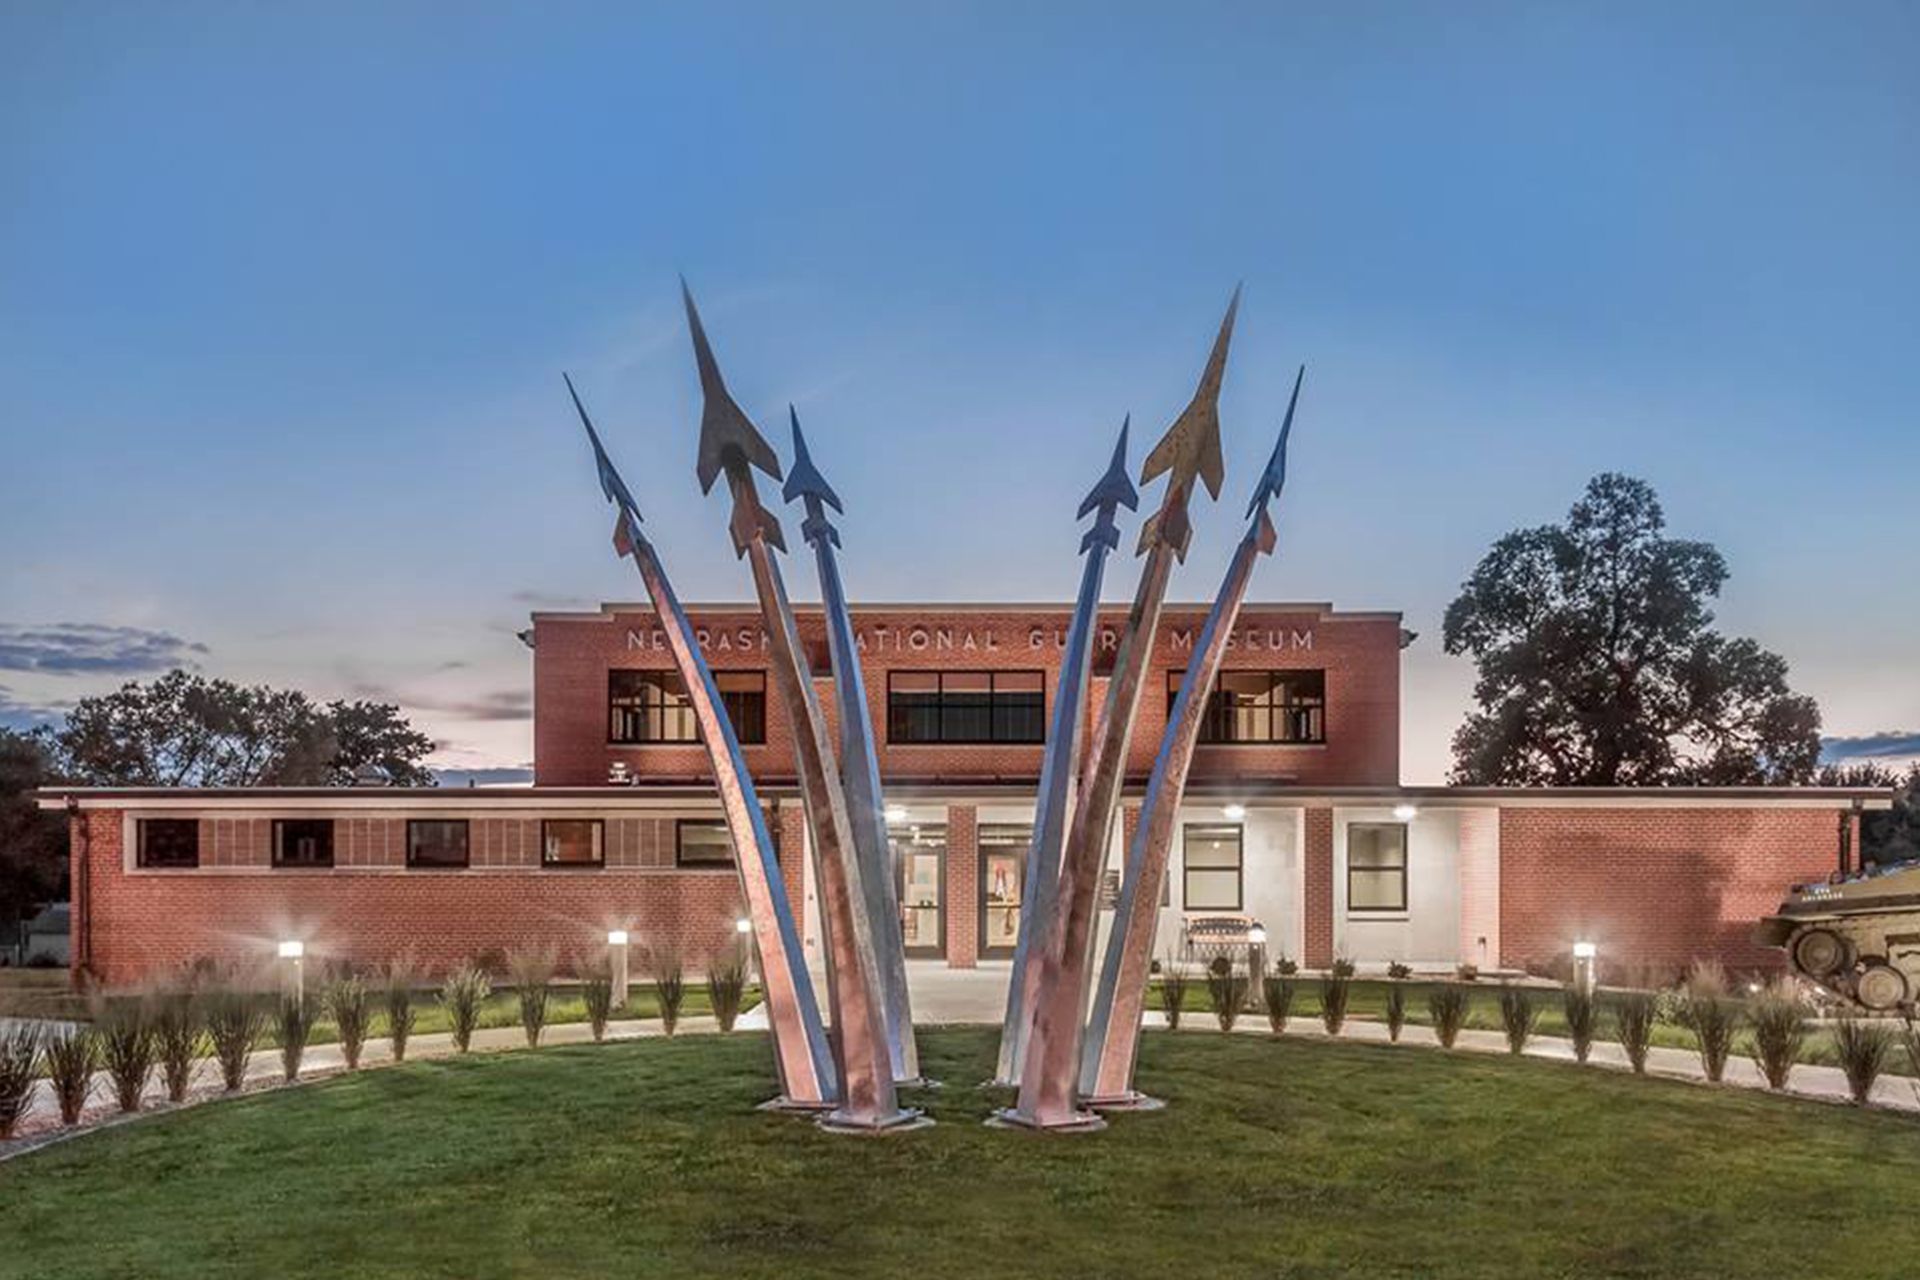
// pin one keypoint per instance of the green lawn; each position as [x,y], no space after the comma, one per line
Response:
[1277,1158]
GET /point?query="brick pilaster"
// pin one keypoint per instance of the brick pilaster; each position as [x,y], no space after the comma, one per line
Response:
[1316,899]
[963,887]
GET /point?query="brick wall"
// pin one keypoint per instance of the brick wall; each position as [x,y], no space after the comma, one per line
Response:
[963,886]
[1360,655]
[1316,899]
[1479,871]
[1653,885]
[370,908]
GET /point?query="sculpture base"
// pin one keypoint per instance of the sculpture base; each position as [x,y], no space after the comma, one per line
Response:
[904,1120]
[1131,1100]
[1010,1118]
[797,1106]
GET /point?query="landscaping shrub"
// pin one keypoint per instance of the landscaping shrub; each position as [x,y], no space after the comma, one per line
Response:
[669,984]
[1277,993]
[1226,992]
[1779,1031]
[462,994]
[1517,1016]
[1342,967]
[397,997]
[1335,987]
[727,986]
[236,1021]
[1173,994]
[179,1040]
[19,1064]
[127,1049]
[596,991]
[71,1057]
[296,1028]
[1447,1004]
[1399,972]
[1286,968]
[531,971]
[1581,1014]
[1396,1010]
[1467,972]
[350,1005]
[1862,1045]
[1713,1019]
[1633,1017]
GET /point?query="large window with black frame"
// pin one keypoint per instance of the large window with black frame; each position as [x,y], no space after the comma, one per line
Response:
[1271,707]
[966,707]
[653,706]
[1377,866]
[437,842]
[1210,867]
[303,842]
[168,843]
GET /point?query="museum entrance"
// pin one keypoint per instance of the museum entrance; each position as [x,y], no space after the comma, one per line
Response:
[1003,876]
[920,854]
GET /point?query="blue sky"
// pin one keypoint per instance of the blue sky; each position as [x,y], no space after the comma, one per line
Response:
[285,294]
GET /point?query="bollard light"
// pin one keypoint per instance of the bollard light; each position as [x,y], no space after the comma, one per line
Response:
[293,982]
[1584,955]
[743,925]
[1257,936]
[617,965]
[292,950]
[616,937]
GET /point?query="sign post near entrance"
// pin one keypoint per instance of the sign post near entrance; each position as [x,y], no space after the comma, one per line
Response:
[1050,1074]
[731,445]
[1113,1032]
[1062,757]
[859,762]
[801,1051]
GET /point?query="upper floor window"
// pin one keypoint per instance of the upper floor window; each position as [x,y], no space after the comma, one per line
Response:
[303,842]
[966,706]
[572,842]
[653,706]
[168,842]
[1261,706]
[437,842]
[1377,866]
[702,842]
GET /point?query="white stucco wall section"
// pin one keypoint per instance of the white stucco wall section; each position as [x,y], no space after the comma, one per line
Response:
[1425,935]
[1270,876]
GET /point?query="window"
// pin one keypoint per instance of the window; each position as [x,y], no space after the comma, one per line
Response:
[702,842]
[169,842]
[571,842]
[1261,706]
[437,842]
[303,842]
[1377,866]
[653,706]
[966,706]
[1211,864]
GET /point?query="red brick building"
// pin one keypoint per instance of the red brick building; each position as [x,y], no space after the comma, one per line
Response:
[1294,817]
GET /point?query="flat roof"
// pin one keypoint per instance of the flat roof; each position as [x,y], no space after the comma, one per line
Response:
[654,795]
[1319,608]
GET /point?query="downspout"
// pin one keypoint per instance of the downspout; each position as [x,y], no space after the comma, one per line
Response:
[80,836]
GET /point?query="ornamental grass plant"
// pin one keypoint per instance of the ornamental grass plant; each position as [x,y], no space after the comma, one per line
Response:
[128,1050]
[727,986]
[1277,993]
[70,1057]
[1448,1005]
[462,994]
[530,970]
[669,976]
[400,978]
[1713,1018]
[236,1022]
[1174,981]
[1227,986]
[180,1039]
[596,992]
[19,1066]
[1862,1045]
[1396,1010]
[295,1027]
[1633,1018]
[349,1003]
[1336,986]
[1778,1023]
[1582,1015]
[1518,1014]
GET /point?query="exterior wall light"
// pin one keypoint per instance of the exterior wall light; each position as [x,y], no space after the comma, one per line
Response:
[896,813]
[1234,812]
[1404,813]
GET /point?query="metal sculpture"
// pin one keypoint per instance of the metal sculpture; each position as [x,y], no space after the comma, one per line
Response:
[1113,1031]
[1113,491]
[859,761]
[1050,1073]
[801,1052]
[731,444]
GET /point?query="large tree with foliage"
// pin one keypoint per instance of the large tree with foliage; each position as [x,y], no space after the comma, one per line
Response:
[1886,835]
[33,845]
[184,730]
[1599,664]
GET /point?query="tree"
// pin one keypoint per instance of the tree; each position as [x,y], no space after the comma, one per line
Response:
[1598,664]
[1886,835]
[184,730]
[33,845]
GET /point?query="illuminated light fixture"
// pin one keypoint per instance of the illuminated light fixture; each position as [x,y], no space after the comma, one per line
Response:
[1257,936]
[292,950]
[616,937]
[743,925]
[1404,812]
[1585,951]
[1234,812]
[896,813]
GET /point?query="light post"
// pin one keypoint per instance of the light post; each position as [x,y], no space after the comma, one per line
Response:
[1257,959]
[617,965]
[1584,967]
[744,928]
[293,970]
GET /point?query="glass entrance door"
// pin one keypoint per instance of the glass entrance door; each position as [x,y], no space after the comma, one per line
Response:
[1003,873]
[920,852]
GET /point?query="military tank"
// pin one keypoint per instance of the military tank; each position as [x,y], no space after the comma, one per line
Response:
[1856,935]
